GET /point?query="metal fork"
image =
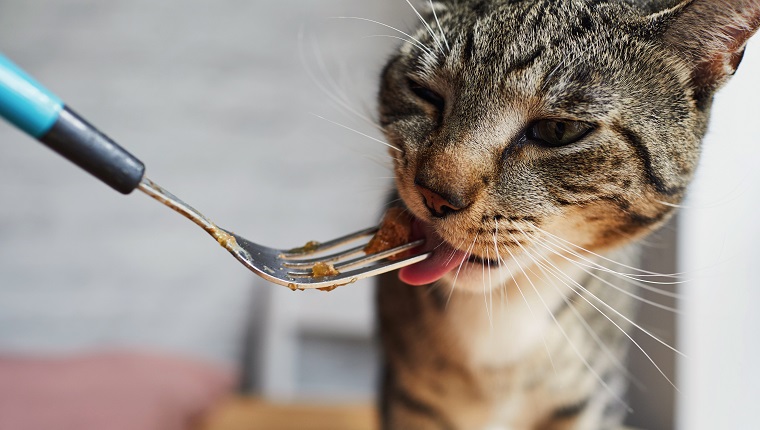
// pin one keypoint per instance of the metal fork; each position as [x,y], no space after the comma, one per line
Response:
[294,268]
[38,112]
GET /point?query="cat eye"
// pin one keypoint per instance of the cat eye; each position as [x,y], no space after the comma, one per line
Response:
[426,94]
[555,133]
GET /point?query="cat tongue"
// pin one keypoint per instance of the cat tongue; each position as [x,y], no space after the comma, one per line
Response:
[443,260]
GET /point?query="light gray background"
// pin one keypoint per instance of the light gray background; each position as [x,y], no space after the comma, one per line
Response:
[718,330]
[215,99]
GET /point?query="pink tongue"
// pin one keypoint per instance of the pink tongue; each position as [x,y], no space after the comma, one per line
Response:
[443,260]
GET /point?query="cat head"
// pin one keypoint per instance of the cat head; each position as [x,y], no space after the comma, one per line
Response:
[575,119]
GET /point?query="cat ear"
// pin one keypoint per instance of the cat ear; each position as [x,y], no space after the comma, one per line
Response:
[712,34]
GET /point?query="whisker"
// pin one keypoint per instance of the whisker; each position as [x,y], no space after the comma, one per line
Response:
[430,30]
[628,320]
[392,203]
[554,240]
[644,272]
[456,275]
[570,342]
[453,251]
[627,293]
[438,23]
[616,362]
[357,132]
[498,255]
[341,99]
[485,298]
[635,279]
[606,282]
[319,57]
[409,38]
[628,278]
[672,205]
[370,36]
[611,308]
[490,284]
[519,266]
[378,160]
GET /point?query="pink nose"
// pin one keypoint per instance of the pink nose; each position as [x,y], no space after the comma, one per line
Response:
[438,205]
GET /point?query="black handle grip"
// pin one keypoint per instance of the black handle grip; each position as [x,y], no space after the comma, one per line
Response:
[81,143]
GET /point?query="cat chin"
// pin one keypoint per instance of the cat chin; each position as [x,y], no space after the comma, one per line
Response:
[475,278]
[479,277]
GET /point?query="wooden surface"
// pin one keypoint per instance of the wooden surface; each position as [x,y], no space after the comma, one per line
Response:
[256,414]
[245,413]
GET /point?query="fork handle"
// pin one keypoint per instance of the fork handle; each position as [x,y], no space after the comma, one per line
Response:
[42,115]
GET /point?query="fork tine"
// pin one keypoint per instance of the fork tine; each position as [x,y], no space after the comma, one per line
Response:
[370,258]
[361,261]
[308,262]
[329,283]
[316,247]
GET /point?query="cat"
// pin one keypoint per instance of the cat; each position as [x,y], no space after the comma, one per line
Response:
[534,143]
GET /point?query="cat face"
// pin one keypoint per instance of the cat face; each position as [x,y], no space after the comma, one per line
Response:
[581,120]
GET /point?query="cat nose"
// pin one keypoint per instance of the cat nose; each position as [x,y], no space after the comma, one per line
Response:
[440,204]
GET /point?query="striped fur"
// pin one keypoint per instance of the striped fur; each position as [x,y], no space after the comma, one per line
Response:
[521,336]
[439,373]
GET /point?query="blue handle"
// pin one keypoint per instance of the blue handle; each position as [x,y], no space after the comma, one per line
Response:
[42,115]
[24,102]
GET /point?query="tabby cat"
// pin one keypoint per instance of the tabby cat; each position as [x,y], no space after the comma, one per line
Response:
[535,141]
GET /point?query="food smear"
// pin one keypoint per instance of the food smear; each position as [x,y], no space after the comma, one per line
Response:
[323,269]
[308,248]
[395,230]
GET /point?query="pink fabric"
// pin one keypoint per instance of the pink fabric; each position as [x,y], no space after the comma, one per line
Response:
[118,390]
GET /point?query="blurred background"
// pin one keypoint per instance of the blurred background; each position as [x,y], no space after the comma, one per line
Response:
[243,109]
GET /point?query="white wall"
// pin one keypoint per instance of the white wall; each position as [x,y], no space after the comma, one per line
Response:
[214,98]
[720,244]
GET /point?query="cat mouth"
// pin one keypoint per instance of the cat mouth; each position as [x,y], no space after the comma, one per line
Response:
[488,262]
[444,258]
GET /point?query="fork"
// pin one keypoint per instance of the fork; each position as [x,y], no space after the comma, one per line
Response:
[42,115]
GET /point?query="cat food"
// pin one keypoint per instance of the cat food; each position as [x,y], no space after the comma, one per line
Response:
[324,269]
[309,247]
[395,230]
